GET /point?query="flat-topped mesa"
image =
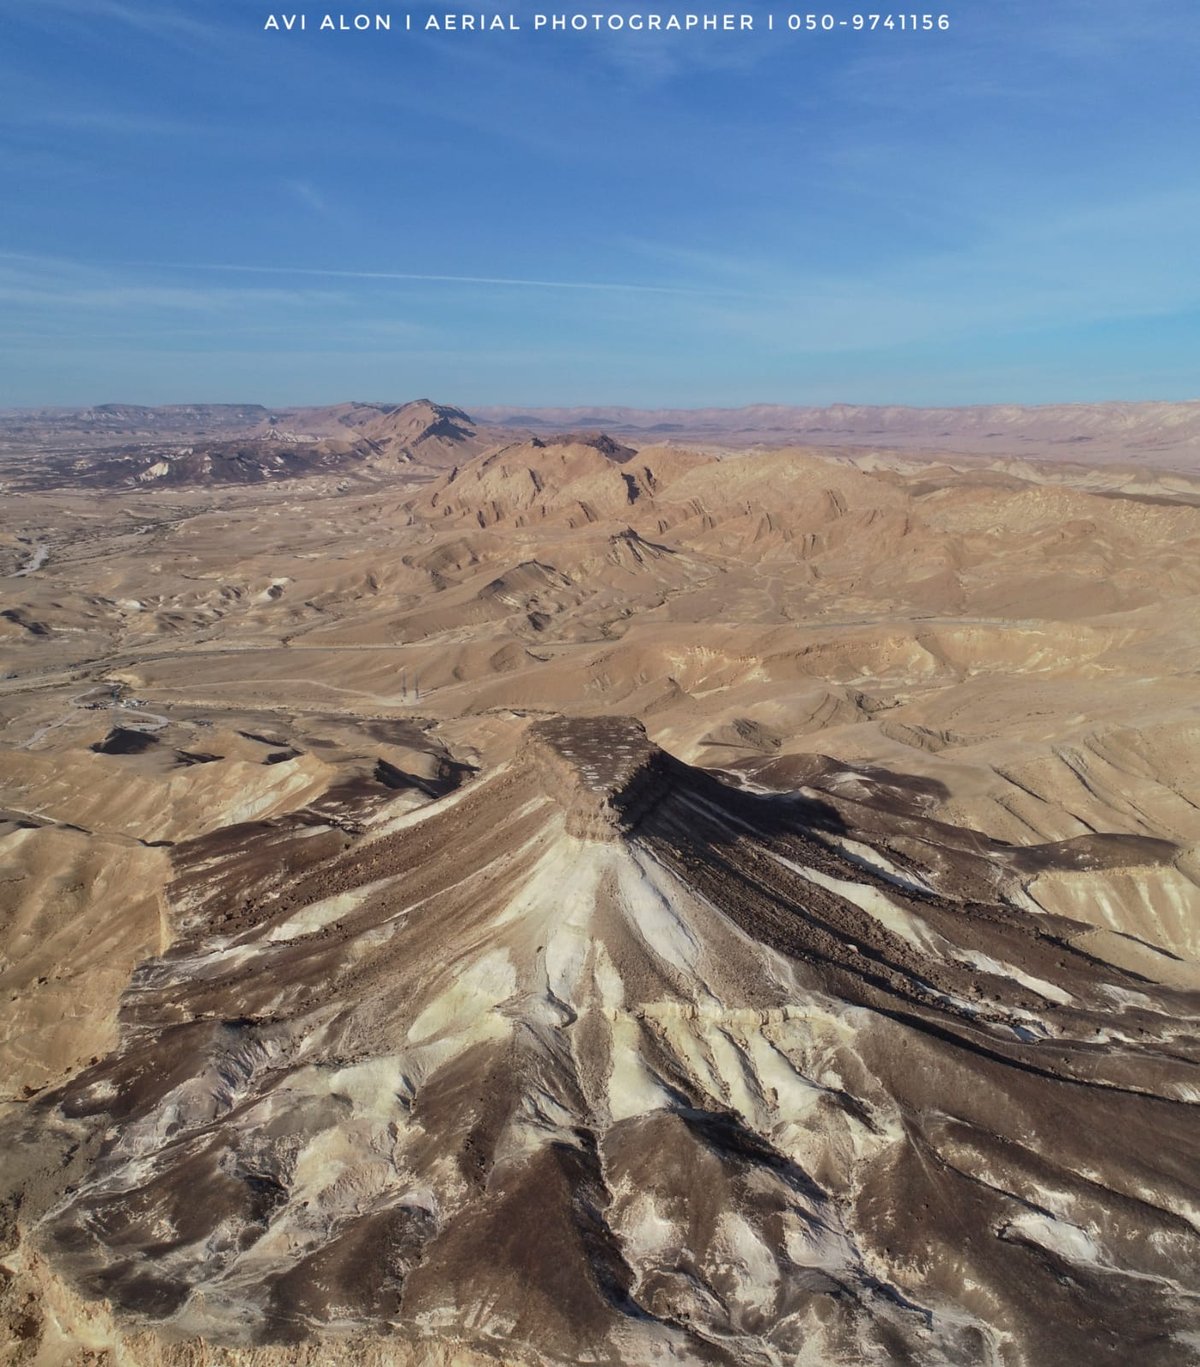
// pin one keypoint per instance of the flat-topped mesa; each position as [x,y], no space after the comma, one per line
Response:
[605,771]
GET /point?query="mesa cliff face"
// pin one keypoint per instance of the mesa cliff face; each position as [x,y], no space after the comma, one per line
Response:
[602,1058]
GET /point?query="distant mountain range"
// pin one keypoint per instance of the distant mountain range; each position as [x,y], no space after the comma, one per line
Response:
[130,445]
[1108,431]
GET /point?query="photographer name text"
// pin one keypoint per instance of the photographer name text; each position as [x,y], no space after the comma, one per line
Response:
[580,22]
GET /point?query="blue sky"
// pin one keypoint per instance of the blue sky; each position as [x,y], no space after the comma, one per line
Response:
[196,209]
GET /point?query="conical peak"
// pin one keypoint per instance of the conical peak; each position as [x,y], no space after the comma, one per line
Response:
[604,770]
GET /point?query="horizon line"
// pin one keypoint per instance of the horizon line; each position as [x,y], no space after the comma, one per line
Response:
[544,407]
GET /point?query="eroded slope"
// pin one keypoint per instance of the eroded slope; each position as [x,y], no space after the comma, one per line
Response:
[607,1059]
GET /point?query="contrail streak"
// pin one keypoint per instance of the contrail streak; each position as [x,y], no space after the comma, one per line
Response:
[513,281]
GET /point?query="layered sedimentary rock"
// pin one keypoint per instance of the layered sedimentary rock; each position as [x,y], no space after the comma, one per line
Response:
[601,1058]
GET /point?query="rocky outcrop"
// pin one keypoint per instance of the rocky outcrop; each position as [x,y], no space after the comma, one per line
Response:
[600,1058]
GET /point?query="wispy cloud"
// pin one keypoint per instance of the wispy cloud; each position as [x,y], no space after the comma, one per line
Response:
[329,210]
[109,122]
[516,282]
[46,296]
[1084,265]
[160,19]
[307,193]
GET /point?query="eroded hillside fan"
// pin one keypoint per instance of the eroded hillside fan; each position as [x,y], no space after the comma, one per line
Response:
[600,1058]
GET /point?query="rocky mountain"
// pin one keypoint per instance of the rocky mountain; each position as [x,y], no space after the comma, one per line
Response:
[115,446]
[421,430]
[606,1058]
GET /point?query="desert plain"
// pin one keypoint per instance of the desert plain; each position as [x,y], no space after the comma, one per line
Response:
[590,887]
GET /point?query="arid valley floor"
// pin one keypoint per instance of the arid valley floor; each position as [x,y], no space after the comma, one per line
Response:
[495,893]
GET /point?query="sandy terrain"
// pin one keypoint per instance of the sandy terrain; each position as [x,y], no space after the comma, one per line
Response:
[572,900]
